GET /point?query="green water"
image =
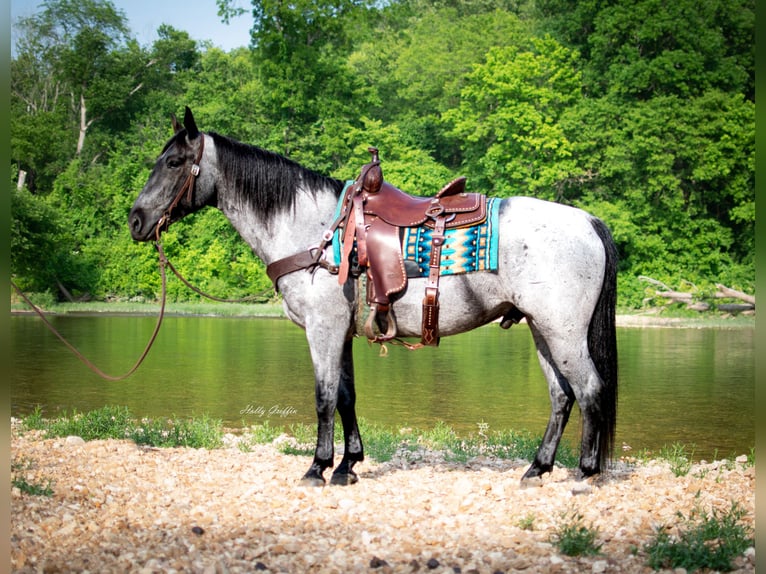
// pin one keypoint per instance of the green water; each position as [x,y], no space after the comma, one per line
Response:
[694,386]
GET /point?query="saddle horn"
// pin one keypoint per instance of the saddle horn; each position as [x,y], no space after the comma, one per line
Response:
[371,176]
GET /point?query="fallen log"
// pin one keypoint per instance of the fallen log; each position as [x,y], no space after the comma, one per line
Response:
[693,299]
[735,307]
[725,292]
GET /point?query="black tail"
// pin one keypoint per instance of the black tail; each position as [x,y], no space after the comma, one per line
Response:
[602,344]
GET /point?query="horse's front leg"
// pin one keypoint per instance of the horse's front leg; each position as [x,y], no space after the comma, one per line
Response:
[326,401]
[327,346]
[353,451]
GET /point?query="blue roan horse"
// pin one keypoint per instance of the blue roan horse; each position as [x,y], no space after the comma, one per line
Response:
[556,267]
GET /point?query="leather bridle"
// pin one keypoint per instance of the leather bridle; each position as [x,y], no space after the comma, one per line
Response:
[187,188]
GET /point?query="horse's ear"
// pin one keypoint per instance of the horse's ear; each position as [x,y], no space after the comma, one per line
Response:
[176,126]
[190,125]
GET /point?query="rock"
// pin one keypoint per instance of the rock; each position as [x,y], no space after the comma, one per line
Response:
[599,566]
[376,562]
[74,441]
[581,488]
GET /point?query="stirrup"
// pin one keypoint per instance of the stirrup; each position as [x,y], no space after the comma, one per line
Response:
[370,326]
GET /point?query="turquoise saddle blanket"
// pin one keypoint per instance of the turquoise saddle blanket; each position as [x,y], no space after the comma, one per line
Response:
[465,250]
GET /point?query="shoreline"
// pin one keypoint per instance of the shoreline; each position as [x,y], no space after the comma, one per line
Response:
[652,318]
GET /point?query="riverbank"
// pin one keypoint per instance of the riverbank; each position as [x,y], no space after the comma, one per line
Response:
[625,317]
[113,506]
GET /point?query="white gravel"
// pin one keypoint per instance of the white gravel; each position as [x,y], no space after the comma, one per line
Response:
[118,507]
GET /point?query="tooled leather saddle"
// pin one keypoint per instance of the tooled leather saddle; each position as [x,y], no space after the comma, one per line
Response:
[373,213]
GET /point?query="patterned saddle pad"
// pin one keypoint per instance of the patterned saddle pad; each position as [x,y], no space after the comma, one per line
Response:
[466,249]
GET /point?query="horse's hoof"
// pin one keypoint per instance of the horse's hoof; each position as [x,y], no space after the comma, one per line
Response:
[583,473]
[531,482]
[534,474]
[312,481]
[344,479]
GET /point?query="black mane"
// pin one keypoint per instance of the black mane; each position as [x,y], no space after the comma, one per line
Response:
[264,179]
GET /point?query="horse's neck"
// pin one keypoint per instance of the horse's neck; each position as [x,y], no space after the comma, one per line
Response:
[286,232]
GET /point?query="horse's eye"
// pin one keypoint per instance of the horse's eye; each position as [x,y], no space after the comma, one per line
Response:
[174,162]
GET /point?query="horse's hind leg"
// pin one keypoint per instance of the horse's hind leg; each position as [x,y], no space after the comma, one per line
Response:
[571,373]
[353,451]
[562,399]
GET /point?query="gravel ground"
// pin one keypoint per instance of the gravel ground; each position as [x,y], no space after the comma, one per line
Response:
[117,507]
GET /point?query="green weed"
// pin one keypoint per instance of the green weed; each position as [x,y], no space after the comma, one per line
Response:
[702,541]
[20,465]
[117,423]
[104,423]
[259,434]
[32,488]
[201,432]
[574,538]
[527,522]
[677,456]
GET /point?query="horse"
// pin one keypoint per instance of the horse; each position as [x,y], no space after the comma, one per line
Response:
[556,267]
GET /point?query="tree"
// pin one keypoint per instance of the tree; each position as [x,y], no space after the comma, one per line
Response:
[654,48]
[508,119]
[300,49]
[87,57]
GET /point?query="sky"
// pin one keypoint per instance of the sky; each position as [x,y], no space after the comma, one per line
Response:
[197,17]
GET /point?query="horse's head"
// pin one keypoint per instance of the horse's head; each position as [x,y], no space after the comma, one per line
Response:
[171,193]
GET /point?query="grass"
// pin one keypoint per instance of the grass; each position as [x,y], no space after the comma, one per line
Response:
[118,423]
[702,540]
[382,443]
[31,488]
[575,538]
[678,457]
[202,432]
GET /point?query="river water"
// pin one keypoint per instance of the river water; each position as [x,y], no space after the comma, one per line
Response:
[691,386]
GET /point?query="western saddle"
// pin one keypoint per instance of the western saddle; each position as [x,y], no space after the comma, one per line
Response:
[372,215]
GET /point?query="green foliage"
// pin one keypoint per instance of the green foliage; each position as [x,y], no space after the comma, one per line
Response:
[640,112]
[107,422]
[32,488]
[702,540]
[678,457]
[200,432]
[35,232]
[114,422]
[575,538]
[508,118]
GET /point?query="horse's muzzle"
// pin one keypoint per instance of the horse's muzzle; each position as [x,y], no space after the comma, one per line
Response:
[139,229]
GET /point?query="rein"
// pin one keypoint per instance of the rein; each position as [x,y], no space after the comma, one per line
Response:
[162,262]
[163,223]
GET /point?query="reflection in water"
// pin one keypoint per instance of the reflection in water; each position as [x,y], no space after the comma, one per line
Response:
[693,386]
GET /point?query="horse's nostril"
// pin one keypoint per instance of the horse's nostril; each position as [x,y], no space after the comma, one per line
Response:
[136,222]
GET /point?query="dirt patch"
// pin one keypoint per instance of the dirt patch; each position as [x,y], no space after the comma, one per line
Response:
[117,507]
